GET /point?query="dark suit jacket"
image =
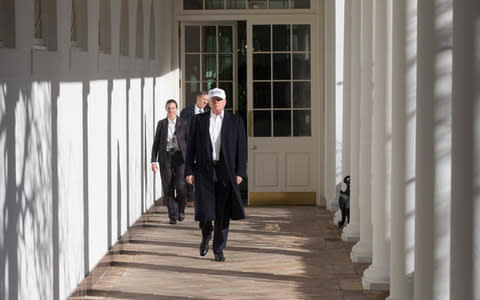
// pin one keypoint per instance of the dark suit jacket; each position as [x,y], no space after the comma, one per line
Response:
[234,151]
[159,148]
[189,112]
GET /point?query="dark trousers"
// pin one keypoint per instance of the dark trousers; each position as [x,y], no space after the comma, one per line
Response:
[223,210]
[173,183]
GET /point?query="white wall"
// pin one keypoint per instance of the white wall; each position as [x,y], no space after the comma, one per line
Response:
[76,128]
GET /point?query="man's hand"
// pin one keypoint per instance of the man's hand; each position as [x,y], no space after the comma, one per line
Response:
[239,179]
[154,167]
[189,179]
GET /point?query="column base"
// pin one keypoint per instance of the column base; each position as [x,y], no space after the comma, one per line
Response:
[351,233]
[376,279]
[362,252]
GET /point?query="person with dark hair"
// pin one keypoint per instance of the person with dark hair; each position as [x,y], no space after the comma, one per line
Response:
[218,145]
[188,113]
[168,151]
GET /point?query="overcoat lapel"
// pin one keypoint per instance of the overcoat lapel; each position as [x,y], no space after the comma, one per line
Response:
[224,133]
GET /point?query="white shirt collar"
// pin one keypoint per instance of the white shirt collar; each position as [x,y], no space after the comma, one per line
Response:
[174,121]
[212,115]
[197,109]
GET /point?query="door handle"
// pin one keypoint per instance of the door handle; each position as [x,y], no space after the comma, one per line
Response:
[253,147]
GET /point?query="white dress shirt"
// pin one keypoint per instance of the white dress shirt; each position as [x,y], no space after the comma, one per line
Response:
[198,110]
[171,132]
[215,133]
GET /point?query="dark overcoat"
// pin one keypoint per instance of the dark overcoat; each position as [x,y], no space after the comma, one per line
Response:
[189,112]
[199,150]
[159,147]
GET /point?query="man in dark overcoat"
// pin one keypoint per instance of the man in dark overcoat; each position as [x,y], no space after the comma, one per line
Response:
[217,143]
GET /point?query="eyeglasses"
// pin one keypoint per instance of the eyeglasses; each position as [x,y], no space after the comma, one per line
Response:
[216,99]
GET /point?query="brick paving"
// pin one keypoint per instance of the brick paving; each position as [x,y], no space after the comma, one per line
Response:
[276,253]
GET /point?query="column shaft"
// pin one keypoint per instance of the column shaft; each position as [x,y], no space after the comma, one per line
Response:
[362,251]
[352,230]
[433,156]
[330,102]
[346,89]
[465,110]
[377,276]
[403,148]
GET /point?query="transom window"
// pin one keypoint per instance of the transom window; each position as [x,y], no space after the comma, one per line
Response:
[245,4]
[78,30]
[40,22]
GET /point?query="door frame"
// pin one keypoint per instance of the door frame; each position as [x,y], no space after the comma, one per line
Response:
[316,17]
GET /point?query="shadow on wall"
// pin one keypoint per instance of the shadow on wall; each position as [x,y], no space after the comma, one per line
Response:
[47,241]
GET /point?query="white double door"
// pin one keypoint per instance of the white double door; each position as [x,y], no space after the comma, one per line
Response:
[284,96]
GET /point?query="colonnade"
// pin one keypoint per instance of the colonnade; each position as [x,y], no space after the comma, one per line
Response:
[411,144]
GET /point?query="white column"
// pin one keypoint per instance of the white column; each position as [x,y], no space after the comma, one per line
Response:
[346,90]
[404,49]
[346,96]
[433,157]
[377,276]
[352,231]
[465,229]
[362,251]
[330,101]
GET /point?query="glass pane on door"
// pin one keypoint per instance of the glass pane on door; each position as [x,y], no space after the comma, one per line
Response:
[209,60]
[281,65]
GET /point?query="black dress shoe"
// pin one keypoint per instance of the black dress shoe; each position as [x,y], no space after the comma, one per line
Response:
[172,221]
[219,257]
[181,217]
[204,245]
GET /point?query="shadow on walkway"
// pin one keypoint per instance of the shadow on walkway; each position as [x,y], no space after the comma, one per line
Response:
[276,253]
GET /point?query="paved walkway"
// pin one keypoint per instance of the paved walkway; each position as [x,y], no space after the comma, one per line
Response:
[276,253]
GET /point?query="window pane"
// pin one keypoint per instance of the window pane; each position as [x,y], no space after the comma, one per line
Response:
[262,123]
[209,38]
[301,95]
[192,67]
[261,95]
[281,37]
[208,85]
[282,123]
[301,66]
[213,4]
[236,4]
[192,4]
[281,95]
[301,123]
[228,88]
[192,38]
[301,37]
[191,89]
[261,66]
[261,37]
[225,42]
[281,66]
[257,4]
[299,3]
[209,67]
[225,67]
[278,3]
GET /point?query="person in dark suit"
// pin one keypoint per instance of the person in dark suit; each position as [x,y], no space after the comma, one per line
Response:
[188,113]
[169,150]
[217,143]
